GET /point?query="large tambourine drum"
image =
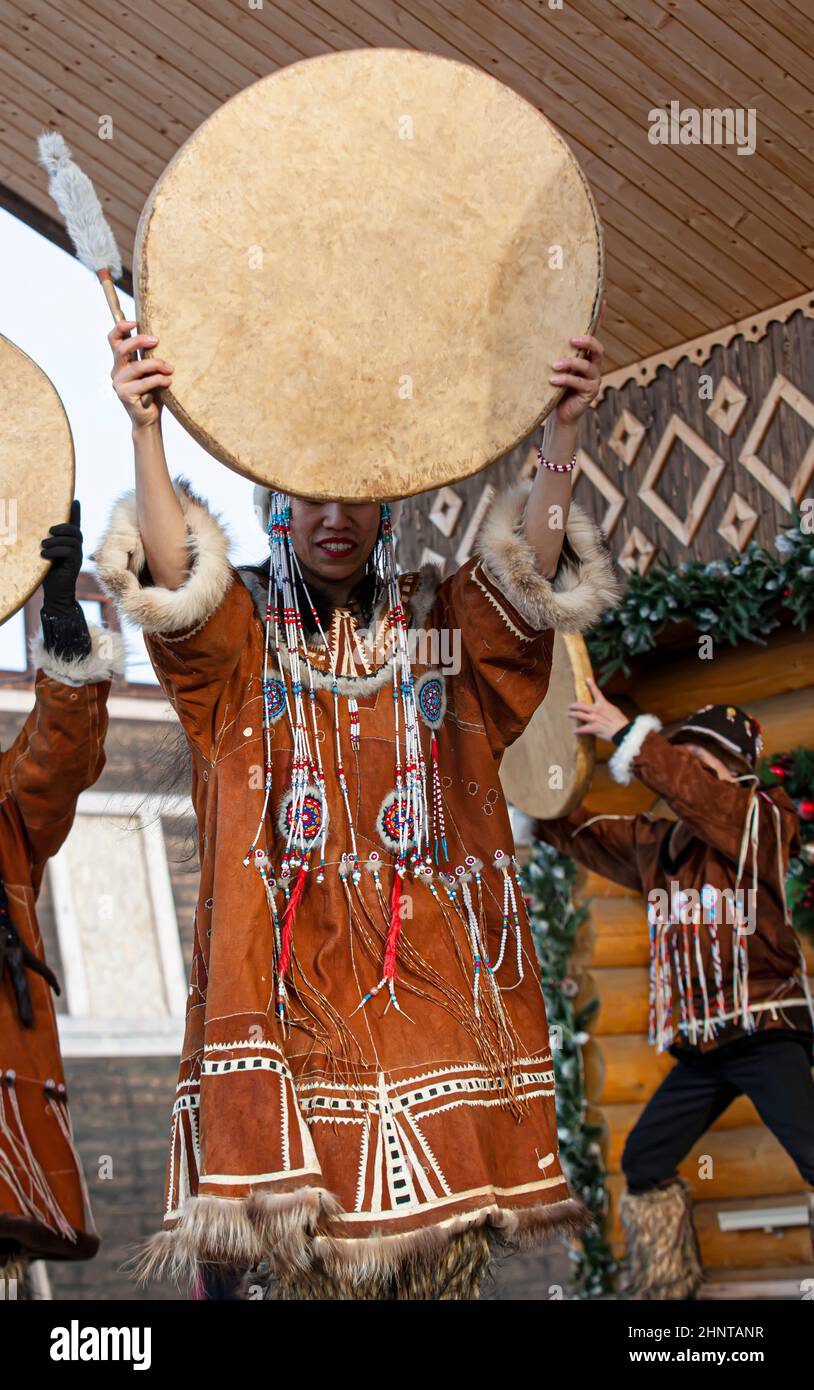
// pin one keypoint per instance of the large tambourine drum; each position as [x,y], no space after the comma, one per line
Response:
[36,473]
[547,771]
[362,268]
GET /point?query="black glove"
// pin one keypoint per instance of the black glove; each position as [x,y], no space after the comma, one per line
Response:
[63,547]
[18,958]
[64,629]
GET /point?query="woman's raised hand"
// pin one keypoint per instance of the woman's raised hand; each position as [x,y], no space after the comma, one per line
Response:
[581,376]
[137,383]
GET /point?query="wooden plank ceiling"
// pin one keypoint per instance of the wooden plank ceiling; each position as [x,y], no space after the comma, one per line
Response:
[697,235]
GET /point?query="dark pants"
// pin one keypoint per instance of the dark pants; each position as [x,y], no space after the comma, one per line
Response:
[774,1073]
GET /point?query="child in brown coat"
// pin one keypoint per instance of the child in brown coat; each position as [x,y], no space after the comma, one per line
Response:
[729,998]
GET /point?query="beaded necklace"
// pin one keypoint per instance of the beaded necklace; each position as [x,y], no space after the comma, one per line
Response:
[403,822]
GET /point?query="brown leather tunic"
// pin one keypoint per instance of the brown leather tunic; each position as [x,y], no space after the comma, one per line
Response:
[58,753]
[358,1135]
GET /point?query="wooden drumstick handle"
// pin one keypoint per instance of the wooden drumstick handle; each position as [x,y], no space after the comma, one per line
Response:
[106,281]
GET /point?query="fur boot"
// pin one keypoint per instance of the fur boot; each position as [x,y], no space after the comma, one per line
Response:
[663,1260]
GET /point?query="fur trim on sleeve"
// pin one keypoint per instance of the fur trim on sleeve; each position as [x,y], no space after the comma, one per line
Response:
[621,763]
[580,591]
[105,660]
[120,561]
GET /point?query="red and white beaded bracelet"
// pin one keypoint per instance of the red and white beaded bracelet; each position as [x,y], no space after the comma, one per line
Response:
[556,467]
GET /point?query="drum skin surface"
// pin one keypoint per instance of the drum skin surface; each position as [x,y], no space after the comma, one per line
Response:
[36,473]
[548,743]
[362,268]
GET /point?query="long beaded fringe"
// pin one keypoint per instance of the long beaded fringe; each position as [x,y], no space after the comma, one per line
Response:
[415,834]
[682,930]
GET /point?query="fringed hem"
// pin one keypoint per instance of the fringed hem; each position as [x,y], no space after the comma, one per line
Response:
[285,1232]
[369,1267]
[520,1226]
[277,1227]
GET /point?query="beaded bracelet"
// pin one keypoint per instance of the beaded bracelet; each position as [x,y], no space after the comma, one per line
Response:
[556,467]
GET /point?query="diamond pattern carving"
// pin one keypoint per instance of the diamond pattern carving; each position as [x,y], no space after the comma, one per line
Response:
[464,550]
[727,405]
[614,498]
[780,390]
[432,557]
[738,522]
[637,554]
[685,530]
[447,509]
[626,437]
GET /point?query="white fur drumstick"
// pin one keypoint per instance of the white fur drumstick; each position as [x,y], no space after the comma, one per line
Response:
[86,224]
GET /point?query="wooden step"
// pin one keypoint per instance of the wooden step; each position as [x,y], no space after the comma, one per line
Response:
[792,1282]
[790,1245]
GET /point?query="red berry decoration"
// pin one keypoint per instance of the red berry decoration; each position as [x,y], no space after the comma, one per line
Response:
[805,809]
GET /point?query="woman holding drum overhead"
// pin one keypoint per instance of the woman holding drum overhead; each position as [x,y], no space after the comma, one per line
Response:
[366,1092]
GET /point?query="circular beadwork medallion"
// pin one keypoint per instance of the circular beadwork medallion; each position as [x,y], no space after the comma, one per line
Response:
[431,698]
[389,823]
[309,815]
[275,699]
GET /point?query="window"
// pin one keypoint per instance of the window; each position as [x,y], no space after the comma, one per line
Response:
[123,967]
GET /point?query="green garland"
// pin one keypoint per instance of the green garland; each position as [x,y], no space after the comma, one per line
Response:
[741,599]
[549,878]
[794,772]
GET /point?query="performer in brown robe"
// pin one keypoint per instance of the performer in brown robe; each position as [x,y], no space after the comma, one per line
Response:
[59,752]
[366,1087]
[729,996]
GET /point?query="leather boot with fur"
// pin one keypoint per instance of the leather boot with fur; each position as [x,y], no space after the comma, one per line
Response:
[663,1260]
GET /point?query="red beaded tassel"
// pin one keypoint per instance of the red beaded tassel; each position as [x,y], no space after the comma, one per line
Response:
[391,949]
[394,932]
[287,925]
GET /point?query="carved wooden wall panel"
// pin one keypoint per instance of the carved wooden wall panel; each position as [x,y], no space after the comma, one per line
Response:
[694,465]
